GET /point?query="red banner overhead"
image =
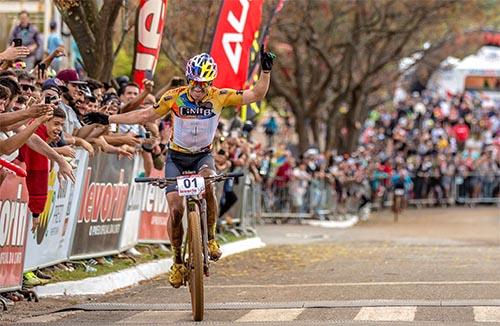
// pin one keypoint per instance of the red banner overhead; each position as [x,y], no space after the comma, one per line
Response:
[148,33]
[238,22]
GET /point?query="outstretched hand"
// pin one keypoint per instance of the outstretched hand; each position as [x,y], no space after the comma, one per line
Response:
[96,117]
[266,59]
[13,52]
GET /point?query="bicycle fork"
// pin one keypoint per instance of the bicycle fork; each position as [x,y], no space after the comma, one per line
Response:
[204,230]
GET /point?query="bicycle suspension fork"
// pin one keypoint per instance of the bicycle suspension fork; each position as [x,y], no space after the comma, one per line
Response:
[204,230]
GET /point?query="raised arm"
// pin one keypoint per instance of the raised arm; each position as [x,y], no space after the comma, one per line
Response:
[9,145]
[260,90]
[8,119]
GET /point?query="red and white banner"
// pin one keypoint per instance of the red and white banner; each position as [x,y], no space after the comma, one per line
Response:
[13,227]
[239,20]
[150,20]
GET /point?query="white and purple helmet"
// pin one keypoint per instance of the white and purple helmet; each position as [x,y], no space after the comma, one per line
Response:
[202,68]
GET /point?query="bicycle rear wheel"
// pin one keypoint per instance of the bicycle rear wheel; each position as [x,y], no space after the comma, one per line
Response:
[195,265]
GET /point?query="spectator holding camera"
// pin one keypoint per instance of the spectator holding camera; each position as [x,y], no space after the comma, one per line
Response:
[30,37]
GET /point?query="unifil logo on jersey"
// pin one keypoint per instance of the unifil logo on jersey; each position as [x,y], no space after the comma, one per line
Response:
[103,201]
[238,24]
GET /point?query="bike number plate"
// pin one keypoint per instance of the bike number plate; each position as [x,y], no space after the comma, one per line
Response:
[190,185]
[399,192]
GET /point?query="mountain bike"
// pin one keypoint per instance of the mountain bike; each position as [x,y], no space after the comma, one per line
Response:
[195,244]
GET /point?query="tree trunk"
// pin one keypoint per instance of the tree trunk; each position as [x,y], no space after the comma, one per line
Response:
[301,127]
[316,131]
[92,29]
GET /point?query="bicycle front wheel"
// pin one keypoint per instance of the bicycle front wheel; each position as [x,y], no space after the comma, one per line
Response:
[196,265]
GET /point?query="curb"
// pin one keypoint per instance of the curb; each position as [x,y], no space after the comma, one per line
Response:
[113,281]
[336,224]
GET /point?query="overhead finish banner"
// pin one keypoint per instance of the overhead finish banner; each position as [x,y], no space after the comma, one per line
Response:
[102,206]
[239,21]
[150,20]
[49,242]
[14,216]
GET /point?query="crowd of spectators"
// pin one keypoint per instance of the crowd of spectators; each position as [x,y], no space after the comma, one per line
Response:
[440,150]
[42,104]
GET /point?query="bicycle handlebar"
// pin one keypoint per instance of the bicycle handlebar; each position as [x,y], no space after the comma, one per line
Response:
[144,179]
[215,178]
[233,175]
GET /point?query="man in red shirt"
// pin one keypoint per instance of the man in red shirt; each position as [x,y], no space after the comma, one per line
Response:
[461,133]
[37,165]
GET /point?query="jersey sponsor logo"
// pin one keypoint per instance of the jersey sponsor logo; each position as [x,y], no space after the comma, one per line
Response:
[167,98]
[204,110]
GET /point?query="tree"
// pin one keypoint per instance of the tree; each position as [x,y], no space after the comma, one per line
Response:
[92,27]
[343,54]
[187,33]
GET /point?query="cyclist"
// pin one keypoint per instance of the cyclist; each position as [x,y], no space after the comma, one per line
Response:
[402,184]
[195,110]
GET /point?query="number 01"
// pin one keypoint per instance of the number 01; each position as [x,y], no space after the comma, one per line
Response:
[187,183]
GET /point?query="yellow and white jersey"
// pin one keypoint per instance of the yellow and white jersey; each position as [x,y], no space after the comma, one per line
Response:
[194,124]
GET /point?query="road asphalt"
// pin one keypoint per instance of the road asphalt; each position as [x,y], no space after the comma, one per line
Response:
[433,266]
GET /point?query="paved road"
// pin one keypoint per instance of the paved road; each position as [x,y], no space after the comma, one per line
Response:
[433,266]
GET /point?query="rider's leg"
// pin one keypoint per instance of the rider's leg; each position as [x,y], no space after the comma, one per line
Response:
[174,227]
[211,200]
[213,247]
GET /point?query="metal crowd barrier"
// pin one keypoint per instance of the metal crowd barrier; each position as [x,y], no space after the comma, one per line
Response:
[243,212]
[318,199]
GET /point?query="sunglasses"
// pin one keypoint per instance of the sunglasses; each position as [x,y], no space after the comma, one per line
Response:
[26,87]
[201,84]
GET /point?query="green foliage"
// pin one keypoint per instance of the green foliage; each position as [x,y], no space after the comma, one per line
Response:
[123,63]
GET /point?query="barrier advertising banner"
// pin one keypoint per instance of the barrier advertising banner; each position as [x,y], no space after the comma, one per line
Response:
[102,209]
[150,20]
[13,226]
[238,22]
[49,243]
[130,227]
[155,215]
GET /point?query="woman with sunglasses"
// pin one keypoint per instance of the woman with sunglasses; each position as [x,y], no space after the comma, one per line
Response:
[195,110]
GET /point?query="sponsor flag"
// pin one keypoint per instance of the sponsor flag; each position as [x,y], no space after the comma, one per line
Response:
[249,112]
[148,34]
[239,21]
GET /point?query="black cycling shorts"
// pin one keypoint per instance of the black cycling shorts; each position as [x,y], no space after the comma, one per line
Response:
[177,163]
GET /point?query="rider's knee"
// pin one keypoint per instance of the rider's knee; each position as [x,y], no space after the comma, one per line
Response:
[176,207]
